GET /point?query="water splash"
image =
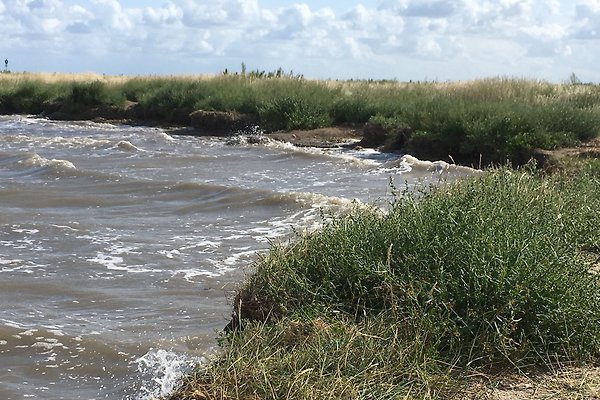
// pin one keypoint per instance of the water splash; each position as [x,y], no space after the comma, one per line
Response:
[161,371]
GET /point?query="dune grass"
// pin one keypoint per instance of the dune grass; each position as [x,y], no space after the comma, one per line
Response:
[496,273]
[497,119]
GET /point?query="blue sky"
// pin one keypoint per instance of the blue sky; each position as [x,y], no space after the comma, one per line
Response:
[382,39]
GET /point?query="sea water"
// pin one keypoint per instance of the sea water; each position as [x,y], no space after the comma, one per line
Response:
[121,246]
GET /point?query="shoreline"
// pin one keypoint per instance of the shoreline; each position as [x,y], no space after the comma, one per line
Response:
[480,123]
[225,124]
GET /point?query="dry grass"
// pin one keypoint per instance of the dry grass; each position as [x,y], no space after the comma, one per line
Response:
[569,383]
[54,77]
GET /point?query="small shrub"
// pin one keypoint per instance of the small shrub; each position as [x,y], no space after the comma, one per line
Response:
[352,109]
[292,113]
[92,94]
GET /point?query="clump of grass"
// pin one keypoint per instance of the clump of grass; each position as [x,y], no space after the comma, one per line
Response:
[497,259]
[91,94]
[325,358]
[493,272]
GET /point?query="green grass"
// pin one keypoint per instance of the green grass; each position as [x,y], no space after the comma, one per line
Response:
[490,274]
[497,119]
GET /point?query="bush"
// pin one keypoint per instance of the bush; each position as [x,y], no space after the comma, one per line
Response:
[352,109]
[292,112]
[28,97]
[494,268]
[492,272]
[93,94]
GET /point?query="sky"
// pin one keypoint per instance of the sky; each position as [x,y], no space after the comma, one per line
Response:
[441,40]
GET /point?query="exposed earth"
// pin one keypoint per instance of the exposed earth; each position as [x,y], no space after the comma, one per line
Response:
[322,137]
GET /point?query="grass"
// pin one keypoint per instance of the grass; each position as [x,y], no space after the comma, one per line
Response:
[491,274]
[497,119]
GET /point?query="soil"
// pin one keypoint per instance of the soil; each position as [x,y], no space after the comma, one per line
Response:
[568,383]
[552,160]
[322,137]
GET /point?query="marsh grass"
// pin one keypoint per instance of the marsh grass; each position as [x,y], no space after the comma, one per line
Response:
[498,119]
[491,274]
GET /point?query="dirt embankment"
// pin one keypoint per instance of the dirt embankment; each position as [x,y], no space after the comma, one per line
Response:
[322,137]
[552,160]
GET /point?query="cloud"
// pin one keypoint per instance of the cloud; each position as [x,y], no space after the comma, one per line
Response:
[586,24]
[430,9]
[493,36]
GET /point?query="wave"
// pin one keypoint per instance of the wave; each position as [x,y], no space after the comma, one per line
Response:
[411,163]
[213,197]
[357,158]
[35,164]
[126,145]
[362,158]
[35,160]
[75,142]
[52,346]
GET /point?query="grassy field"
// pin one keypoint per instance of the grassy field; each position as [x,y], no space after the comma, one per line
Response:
[494,275]
[495,119]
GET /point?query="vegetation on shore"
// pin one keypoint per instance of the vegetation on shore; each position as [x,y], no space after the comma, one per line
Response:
[495,273]
[492,119]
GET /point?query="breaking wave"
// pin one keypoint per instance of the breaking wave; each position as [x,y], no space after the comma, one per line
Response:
[35,164]
[410,163]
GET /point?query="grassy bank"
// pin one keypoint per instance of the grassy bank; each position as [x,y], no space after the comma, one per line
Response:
[497,119]
[497,273]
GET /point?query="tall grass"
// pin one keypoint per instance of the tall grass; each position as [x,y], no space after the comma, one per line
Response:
[498,119]
[494,272]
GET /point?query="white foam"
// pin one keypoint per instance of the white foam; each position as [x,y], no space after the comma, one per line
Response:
[127,146]
[48,345]
[191,273]
[35,160]
[235,259]
[13,324]
[162,135]
[171,254]
[429,166]
[27,231]
[366,159]
[318,200]
[161,371]
[136,269]
[109,261]
[65,227]
[8,262]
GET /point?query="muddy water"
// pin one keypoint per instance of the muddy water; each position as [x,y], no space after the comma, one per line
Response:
[120,246]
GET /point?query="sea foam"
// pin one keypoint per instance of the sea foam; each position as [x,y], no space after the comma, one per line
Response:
[161,371]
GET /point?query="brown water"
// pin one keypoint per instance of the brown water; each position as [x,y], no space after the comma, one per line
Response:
[120,246]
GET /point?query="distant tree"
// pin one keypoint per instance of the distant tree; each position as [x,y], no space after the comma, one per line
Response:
[574,80]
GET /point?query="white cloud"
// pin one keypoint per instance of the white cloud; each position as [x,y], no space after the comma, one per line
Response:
[397,37]
[586,24]
[430,9]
